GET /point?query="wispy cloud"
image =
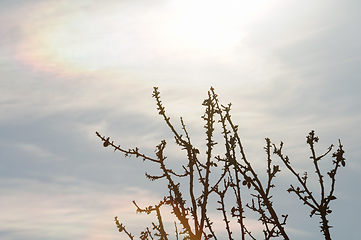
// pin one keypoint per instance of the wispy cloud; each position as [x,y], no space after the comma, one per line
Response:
[68,210]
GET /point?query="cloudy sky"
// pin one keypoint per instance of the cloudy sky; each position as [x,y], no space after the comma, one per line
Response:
[70,68]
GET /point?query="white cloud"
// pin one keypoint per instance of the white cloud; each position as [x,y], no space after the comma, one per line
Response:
[71,210]
[33,150]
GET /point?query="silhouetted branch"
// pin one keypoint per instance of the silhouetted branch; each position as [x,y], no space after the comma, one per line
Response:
[320,208]
[235,172]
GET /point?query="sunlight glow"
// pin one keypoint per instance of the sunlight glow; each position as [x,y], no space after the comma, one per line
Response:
[126,37]
[122,37]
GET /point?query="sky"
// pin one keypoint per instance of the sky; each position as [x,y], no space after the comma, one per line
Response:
[70,68]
